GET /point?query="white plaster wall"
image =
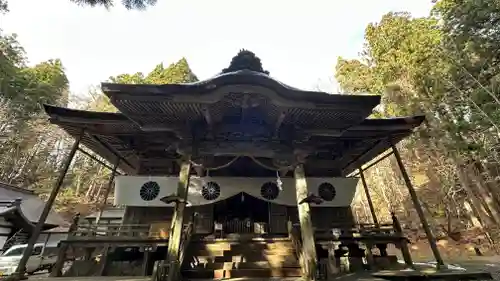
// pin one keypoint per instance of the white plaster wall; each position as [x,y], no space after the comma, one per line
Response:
[127,189]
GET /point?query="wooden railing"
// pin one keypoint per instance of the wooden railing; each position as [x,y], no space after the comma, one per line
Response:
[185,240]
[295,237]
[356,231]
[111,231]
[162,268]
[160,271]
[244,226]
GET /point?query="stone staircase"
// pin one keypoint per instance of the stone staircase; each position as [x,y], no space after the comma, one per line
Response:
[234,259]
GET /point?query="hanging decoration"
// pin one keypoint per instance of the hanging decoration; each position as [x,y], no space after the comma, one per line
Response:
[217,167]
[279,183]
[260,163]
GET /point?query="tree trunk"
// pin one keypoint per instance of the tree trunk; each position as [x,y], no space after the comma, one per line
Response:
[476,203]
[472,214]
[483,193]
[78,184]
[483,176]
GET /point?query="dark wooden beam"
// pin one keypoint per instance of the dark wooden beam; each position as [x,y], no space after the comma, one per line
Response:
[368,197]
[208,117]
[416,203]
[279,121]
[113,151]
[373,163]
[360,155]
[108,190]
[97,160]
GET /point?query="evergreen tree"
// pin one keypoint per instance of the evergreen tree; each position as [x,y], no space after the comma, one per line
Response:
[129,4]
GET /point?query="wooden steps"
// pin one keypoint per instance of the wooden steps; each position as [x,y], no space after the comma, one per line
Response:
[238,273]
[243,265]
[234,259]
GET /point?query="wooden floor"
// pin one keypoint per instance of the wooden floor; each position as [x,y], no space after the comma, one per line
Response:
[350,277]
[90,278]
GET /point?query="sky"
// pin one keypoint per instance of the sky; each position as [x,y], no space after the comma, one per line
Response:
[297,41]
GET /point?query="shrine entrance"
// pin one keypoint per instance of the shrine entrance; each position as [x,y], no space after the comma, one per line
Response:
[242,213]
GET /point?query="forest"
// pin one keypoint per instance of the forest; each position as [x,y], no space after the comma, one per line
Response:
[445,65]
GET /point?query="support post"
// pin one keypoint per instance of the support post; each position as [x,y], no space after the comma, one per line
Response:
[174,240]
[418,207]
[368,197]
[21,268]
[405,251]
[306,228]
[63,248]
[106,195]
[104,262]
[145,262]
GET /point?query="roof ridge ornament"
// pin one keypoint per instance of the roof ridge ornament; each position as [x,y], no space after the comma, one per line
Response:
[245,60]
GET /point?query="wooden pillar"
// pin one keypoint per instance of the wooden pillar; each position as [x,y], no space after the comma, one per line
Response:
[63,248]
[145,262]
[106,195]
[369,255]
[21,268]
[368,197]
[178,220]
[104,262]
[88,253]
[306,228]
[405,251]
[418,207]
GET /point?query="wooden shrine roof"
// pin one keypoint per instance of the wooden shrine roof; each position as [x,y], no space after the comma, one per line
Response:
[329,147]
[214,100]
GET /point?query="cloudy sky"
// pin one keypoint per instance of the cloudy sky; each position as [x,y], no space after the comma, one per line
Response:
[297,41]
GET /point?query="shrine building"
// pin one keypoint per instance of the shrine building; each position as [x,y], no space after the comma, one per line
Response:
[201,167]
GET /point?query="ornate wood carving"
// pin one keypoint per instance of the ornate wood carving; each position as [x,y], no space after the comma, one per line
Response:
[245,60]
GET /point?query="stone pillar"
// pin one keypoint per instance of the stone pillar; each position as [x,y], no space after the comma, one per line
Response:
[306,228]
[178,219]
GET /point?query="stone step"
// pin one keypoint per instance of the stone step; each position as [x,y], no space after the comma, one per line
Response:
[237,246]
[210,246]
[205,253]
[244,265]
[238,273]
[249,252]
[241,258]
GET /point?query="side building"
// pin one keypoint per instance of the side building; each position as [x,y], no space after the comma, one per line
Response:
[20,210]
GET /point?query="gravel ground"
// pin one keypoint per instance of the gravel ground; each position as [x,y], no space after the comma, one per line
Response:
[489,264]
